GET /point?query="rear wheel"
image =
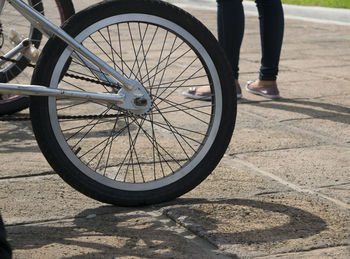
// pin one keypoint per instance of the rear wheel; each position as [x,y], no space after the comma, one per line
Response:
[114,155]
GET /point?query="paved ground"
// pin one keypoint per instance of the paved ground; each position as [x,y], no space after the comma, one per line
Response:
[309,13]
[281,191]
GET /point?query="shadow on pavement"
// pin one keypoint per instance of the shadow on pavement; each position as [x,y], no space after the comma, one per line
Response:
[17,136]
[248,221]
[132,232]
[20,132]
[331,112]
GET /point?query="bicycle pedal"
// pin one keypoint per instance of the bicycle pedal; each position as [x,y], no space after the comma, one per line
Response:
[29,51]
[14,37]
[32,53]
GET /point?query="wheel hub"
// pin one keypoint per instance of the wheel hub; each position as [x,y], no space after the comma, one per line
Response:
[137,101]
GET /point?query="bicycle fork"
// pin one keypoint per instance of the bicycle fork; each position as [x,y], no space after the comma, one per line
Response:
[132,96]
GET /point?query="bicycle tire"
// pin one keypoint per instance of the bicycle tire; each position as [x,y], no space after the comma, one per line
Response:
[156,140]
[12,104]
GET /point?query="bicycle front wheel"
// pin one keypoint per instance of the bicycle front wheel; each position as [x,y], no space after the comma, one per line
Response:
[112,154]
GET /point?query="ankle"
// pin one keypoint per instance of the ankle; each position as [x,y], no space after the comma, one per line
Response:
[260,82]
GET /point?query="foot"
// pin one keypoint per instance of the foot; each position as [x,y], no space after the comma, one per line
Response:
[264,88]
[203,93]
[200,93]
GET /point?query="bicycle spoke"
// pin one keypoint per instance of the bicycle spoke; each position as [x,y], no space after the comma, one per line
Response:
[173,90]
[85,126]
[158,145]
[108,144]
[117,134]
[182,107]
[164,126]
[115,53]
[175,133]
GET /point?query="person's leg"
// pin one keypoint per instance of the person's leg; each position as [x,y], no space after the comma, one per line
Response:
[271,33]
[230,30]
[230,21]
[5,249]
[230,33]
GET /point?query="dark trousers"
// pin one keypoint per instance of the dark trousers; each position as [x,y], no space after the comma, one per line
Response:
[5,249]
[231,30]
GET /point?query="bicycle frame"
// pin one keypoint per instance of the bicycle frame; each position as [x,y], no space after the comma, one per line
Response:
[50,29]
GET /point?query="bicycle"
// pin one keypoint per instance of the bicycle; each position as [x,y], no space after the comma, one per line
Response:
[106,104]
[19,44]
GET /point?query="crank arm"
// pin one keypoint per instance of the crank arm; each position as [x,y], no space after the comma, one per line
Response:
[24,44]
[37,90]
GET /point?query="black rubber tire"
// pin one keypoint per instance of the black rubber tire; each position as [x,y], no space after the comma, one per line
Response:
[15,104]
[5,248]
[50,146]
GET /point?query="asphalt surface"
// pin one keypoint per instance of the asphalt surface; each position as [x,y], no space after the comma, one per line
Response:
[281,191]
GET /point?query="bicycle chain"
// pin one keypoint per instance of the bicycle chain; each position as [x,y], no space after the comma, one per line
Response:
[66,74]
[65,117]
[62,117]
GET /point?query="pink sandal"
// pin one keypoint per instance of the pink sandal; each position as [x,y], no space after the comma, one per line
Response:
[269,91]
[193,94]
[206,96]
